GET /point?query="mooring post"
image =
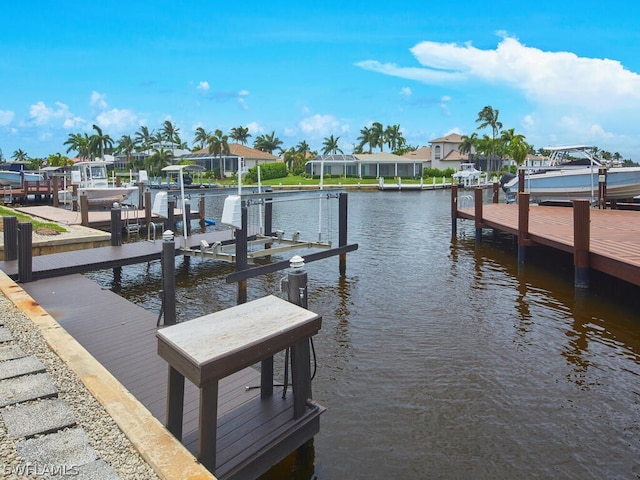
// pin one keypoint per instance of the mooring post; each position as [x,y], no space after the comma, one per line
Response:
[84,210]
[116,225]
[581,240]
[147,208]
[187,215]
[168,277]
[496,192]
[74,197]
[602,188]
[342,230]
[523,226]
[241,251]
[520,180]
[454,210]
[142,198]
[170,223]
[201,207]
[477,200]
[10,234]
[56,188]
[25,244]
[297,293]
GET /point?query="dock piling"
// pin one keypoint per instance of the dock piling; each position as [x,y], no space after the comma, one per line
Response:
[168,278]
[25,259]
[454,210]
[477,200]
[10,234]
[523,226]
[116,225]
[581,240]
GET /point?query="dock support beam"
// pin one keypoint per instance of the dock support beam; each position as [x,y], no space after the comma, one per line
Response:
[10,234]
[84,210]
[523,226]
[581,240]
[496,192]
[342,230]
[169,280]
[602,188]
[477,200]
[241,251]
[454,210]
[116,225]
[25,244]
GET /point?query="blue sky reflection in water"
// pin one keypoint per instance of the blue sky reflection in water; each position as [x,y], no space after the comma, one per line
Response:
[442,359]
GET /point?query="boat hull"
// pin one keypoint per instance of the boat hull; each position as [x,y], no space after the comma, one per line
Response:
[14,179]
[562,185]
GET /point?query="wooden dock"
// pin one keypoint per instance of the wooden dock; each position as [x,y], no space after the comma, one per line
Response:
[611,246]
[253,433]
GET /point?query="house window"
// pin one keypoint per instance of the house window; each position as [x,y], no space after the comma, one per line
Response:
[438,153]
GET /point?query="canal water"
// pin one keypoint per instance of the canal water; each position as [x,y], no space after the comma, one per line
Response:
[441,358]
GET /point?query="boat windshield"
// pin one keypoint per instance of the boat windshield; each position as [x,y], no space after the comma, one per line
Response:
[98,173]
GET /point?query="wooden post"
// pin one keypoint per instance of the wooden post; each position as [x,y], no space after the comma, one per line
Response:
[477,200]
[74,197]
[201,206]
[342,230]
[520,180]
[10,235]
[241,251]
[170,223]
[169,281]
[175,402]
[454,209]
[116,226]
[496,192]
[581,241]
[602,188]
[142,196]
[25,244]
[147,208]
[84,210]
[56,189]
[523,226]
[208,427]
[187,215]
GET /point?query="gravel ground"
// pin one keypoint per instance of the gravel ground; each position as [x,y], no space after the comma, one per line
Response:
[110,444]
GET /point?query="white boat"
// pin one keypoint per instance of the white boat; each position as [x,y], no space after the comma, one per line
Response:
[15,174]
[93,181]
[572,174]
[467,175]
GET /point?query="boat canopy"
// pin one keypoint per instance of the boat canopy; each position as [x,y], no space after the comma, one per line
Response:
[180,168]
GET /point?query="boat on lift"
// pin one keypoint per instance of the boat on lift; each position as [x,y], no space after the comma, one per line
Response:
[467,175]
[92,180]
[572,173]
[14,174]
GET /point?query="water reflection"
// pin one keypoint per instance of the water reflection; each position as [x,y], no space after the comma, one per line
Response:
[440,358]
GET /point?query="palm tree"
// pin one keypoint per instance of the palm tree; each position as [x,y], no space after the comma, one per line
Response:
[468,144]
[160,158]
[143,138]
[330,145]
[366,137]
[169,132]
[267,143]
[201,137]
[488,117]
[20,156]
[99,143]
[218,145]
[518,149]
[80,143]
[377,133]
[126,146]
[240,134]
[303,147]
[393,137]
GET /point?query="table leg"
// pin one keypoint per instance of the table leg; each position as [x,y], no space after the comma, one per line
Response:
[208,425]
[300,377]
[175,402]
[266,378]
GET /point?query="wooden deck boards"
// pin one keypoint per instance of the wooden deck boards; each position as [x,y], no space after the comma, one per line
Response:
[614,234]
[254,434]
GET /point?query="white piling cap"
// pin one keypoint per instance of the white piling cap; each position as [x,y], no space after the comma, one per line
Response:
[296,262]
[167,235]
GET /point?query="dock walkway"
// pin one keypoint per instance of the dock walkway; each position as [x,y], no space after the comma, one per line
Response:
[253,433]
[614,245]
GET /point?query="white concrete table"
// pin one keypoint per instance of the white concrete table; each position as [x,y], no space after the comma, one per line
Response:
[213,346]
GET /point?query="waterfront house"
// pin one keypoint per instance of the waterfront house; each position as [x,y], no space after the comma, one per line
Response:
[373,165]
[228,163]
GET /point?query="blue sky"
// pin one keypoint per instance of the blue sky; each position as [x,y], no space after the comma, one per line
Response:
[561,72]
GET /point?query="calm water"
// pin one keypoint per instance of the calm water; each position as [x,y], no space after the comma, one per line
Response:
[439,358]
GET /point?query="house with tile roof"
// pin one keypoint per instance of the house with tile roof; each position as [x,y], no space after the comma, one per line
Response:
[373,165]
[228,163]
[445,152]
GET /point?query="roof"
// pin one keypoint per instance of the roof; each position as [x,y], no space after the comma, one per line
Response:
[455,156]
[451,138]
[379,157]
[236,150]
[422,153]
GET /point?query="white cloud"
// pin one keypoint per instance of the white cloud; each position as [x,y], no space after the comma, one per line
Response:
[550,78]
[41,114]
[406,92]
[203,86]
[241,99]
[6,117]
[319,126]
[255,128]
[444,107]
[98,100]
[117,120]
